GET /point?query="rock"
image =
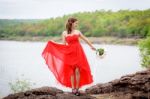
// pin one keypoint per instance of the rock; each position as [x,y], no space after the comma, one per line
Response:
[140,95]
[71,96]
[129,84]
[94,90]
[115,82]
[107,87]
[47,93]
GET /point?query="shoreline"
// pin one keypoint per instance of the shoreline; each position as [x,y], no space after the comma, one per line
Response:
[95,40]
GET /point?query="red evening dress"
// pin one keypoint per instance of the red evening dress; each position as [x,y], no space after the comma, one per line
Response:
[62,60]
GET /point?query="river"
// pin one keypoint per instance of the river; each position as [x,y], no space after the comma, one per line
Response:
[23,60]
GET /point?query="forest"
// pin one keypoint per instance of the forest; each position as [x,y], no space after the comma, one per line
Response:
[122,24]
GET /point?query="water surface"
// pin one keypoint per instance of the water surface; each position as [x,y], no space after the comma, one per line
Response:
[24,58]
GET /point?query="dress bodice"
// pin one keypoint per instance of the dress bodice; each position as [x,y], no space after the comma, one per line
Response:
[71,39]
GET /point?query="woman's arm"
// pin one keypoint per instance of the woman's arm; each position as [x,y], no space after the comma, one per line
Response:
[87,41]
[63,38]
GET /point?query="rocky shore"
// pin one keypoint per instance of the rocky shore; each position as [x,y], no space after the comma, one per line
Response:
[47,93]
[132,86]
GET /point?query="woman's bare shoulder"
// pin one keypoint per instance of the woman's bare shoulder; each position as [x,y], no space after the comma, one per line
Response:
[78,31]
[64,33]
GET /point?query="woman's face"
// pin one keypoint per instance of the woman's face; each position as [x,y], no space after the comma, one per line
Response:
[75,24]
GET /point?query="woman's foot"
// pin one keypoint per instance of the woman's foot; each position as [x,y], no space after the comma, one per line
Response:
[76,92]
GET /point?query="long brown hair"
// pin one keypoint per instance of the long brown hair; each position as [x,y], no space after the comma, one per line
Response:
[69,23]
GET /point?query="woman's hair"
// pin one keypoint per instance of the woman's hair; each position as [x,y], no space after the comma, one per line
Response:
[69,24]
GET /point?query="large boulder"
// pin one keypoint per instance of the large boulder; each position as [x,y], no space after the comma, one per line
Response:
[138,85]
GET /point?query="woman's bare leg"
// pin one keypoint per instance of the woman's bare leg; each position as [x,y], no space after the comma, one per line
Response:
[72,81]
[77,73]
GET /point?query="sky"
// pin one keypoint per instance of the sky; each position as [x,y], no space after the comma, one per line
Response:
[41,9]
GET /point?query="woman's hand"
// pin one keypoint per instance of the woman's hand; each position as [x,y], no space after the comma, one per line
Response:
[93,48]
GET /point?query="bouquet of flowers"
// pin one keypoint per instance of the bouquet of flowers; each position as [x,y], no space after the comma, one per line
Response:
[100,52]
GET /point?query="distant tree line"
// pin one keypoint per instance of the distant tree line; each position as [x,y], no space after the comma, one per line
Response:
[123,23]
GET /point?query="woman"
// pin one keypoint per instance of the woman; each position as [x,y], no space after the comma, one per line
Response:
[68,61]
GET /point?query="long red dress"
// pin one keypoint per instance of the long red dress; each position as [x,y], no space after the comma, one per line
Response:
[62,60]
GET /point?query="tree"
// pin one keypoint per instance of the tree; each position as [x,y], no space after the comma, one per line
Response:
[144,46]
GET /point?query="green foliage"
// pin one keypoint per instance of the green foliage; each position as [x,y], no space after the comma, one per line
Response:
[124,23]
[20,85]
[144,46]
[100,51]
